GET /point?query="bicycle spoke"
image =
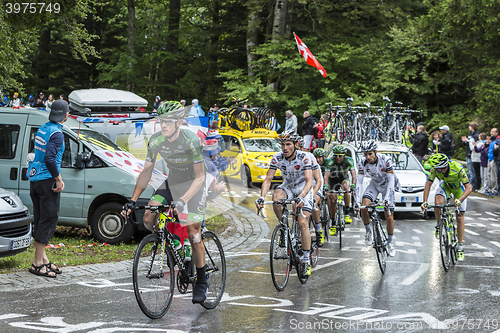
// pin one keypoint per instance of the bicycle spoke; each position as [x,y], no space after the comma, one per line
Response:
[444,246]
[215,262]
[280,257]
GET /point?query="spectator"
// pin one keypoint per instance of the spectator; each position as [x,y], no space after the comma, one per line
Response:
[496,157]
[62,97]
[246,106]
[196,110]
[4,101]
[492,167]
[447,143]
[473,136]
[308,130]
[291,122]
[40,101]
[213,134]
[156,104]
[31,101]
[321,129]
[421,142]
[482,148]
[48,102]
[183,102]
[475,157]
[46,184]
[16,102]
[435,136]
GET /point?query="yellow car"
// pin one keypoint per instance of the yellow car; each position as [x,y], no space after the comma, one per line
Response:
[252,151]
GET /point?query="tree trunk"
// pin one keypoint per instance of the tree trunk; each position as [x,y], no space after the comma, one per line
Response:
[173,45]
[131,42]
[279,24]
[252,35]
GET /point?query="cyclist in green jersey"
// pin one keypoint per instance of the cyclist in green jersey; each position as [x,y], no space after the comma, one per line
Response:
[337,175]
[453,181]
[185,185]
[319,155]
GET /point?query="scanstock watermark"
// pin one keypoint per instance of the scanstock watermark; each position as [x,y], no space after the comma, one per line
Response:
[329,324]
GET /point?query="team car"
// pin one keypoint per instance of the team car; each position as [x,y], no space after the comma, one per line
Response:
[411,174]
[252,151]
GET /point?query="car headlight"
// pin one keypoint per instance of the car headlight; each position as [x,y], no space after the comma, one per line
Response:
[262,165]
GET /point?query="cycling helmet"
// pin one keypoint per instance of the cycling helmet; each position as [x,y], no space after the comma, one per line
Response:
[288,136]
[172,110]
[318,152]
[301,142]
[369,146]
[438,161]
[339,150]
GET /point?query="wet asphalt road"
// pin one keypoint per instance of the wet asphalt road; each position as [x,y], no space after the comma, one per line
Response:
[346,291]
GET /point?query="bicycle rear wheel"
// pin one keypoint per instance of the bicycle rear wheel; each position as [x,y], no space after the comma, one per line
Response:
[325,218]
[340,223]
[153,277]
[280,259]
[380,246]
[444,246]
[215,262]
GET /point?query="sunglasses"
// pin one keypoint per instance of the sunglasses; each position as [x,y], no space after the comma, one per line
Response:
[440,170]
[167,121]
[338,155]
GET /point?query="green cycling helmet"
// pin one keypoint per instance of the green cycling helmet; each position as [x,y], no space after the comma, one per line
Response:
[172,110]
[339,150]
[438,161]
[318,152]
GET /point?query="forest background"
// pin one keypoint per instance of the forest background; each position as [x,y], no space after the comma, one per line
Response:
[441,56]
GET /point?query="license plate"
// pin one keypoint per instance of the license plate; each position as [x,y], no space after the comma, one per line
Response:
[20,243]
[409,199]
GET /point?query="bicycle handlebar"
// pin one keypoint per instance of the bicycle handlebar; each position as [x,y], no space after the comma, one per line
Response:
[457,208]
[375,205]
[283,203]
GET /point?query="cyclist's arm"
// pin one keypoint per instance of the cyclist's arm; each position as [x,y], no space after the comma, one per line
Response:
[199,180]
[143,180]
[467,191]
[353,176]
[309,182]
[267,182]
[327,175]
[359,186]
[427,189]
[390,186]
[317,177]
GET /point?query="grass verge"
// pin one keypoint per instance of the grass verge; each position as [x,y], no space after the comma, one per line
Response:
[76,249]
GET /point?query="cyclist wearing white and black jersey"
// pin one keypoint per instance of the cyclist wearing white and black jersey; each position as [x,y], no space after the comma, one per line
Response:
[296,169]
[383,180]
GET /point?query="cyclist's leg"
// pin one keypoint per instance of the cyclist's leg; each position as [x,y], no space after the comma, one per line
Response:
[316,214]
[162,196]
[439,199]
[332,204]
[347,200]
[281,192]
[305,235]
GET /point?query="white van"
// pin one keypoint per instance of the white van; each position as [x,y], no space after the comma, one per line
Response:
[96,186]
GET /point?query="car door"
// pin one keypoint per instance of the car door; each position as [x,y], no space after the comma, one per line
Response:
[11,150]
[233,150]
[74,179]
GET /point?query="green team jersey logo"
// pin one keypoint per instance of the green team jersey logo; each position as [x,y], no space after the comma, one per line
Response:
[340,170]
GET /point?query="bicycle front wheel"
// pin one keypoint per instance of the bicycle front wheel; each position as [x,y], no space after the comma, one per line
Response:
[153,277]
[314,253]
[379,246]
[454,243]
[325,217]
[444,245]
[280,257]
[215,262]
[340,223]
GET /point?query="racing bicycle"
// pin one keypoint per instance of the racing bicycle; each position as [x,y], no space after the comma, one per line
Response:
[378,233]
[447,234]
[285,250]
[340,216]
[154,272]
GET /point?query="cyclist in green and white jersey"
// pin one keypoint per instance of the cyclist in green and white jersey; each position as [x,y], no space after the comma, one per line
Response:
[454,181]
[337,175]
[185,184]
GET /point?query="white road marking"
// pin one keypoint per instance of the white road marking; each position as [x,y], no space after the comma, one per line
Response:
[495,225]
[475,225]
[471,232]
[331,263]
[11,316]
[409,251]
[477,198]
[478,246]
[418,231]
[412,278]
[495,243]
[492,214]
[415,238]
[401,243]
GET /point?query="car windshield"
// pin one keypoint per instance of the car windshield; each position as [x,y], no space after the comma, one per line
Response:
[400,160]
[97,140]
[265,145]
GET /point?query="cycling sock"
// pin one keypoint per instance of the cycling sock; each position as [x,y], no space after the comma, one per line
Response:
[318,227]
[459,247]
[201,274]
[306,255]
[367,227]
[389,238]
[346,211]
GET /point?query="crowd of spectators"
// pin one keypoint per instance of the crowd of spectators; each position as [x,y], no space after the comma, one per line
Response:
[39,102]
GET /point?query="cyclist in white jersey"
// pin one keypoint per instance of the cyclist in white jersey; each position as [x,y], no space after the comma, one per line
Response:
[296,169]
[383,180]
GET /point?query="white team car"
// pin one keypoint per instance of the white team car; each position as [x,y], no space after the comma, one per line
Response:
[411,174]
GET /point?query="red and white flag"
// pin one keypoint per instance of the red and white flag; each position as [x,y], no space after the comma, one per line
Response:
[306,53]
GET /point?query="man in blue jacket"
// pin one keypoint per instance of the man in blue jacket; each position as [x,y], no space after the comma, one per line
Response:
[44,173]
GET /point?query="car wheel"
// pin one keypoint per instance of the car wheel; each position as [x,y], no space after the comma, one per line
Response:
[246,177]
[109,226]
